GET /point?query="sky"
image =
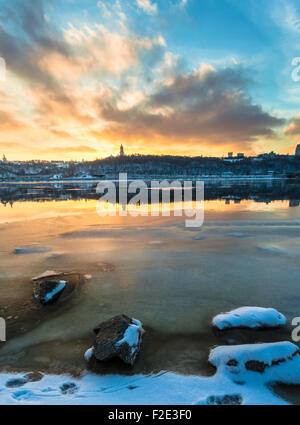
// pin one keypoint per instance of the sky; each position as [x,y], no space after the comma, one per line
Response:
[181,77]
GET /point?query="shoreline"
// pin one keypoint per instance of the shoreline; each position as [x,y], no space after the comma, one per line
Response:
[148,179]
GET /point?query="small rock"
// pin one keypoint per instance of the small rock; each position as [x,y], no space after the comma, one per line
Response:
[234,399]
[118,337]
[33,376]
[255,366]
[16,383]
[47,292]
[69,388]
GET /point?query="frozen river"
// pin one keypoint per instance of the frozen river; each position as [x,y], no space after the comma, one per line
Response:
[172,278]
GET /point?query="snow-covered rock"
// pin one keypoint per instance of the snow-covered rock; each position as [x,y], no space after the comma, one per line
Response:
[118,337]
[49,291]
[52,286]
[249,317]
[268,362]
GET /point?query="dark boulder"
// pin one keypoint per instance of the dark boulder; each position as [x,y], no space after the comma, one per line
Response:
[52,286]
[119,336]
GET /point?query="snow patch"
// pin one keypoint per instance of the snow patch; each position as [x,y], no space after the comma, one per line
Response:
[268,353]
[249,317]
[60,286]
[88,354]
[165,388]
[132,335]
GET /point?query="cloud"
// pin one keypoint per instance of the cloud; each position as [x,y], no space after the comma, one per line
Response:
[78,82]
[104,9]
[102,50]
[72,149]
[206,106]
[26,37]
[293,129]
[147,6]
[8,122]
[183,3]
[287,16]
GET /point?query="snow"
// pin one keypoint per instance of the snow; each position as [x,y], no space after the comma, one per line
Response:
[132,335]
[88,354]
[250,317]
[165,388]
[231,383]
[60,286]
[287,371]
[267,353]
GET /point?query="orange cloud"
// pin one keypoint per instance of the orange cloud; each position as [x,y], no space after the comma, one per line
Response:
[85,89]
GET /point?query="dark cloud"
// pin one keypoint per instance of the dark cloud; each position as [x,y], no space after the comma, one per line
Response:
[30,18]
[25,39]
[20,57]
[210,106]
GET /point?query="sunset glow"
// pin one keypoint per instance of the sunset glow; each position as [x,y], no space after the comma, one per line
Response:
[161,77]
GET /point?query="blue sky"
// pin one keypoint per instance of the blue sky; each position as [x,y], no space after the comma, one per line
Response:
[160,76]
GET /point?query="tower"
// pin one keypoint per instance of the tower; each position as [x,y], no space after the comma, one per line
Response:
[297,153]
[4,159]
[122,150]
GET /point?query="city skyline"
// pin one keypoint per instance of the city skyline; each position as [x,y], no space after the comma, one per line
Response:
[84,77]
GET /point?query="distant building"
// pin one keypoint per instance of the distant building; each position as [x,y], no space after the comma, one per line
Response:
[4,159]
[297,153]
[270,155]
[122,150]
[231,158]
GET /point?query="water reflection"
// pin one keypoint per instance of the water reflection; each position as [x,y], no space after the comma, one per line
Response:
[264,191]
